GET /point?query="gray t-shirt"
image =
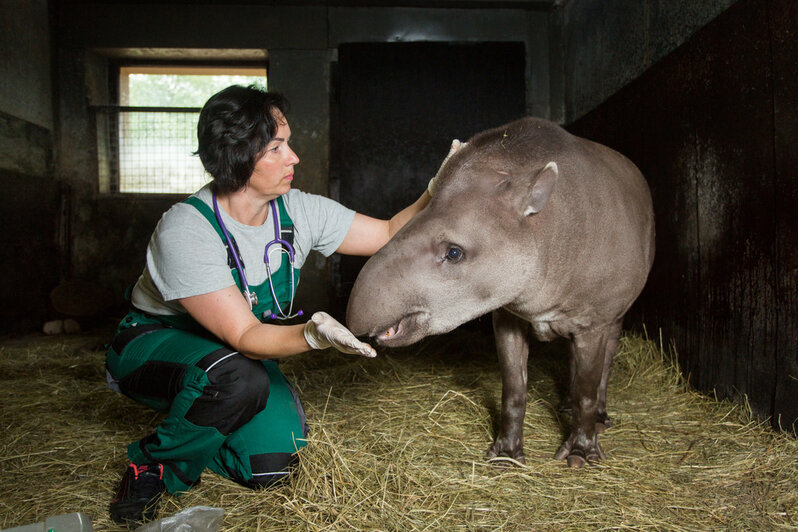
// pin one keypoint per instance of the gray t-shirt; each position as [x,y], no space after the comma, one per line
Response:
[186,257]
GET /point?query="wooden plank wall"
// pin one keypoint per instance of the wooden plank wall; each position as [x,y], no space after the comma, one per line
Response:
[713,126]
[785,106]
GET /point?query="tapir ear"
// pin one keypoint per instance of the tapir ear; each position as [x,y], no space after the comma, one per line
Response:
[542,187]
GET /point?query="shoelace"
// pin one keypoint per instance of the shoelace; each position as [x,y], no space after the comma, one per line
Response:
[149,479]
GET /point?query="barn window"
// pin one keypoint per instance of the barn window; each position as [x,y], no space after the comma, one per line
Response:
[146,142]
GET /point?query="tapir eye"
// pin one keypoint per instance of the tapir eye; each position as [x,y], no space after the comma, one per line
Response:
[454,254]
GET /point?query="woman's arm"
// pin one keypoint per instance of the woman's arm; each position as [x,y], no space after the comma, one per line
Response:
[367,235]
[226,314]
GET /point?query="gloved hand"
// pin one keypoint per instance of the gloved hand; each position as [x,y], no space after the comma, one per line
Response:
[323,331]
[456,145]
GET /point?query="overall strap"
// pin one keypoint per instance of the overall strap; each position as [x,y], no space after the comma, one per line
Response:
[282,285]
[286,223]
[208,213]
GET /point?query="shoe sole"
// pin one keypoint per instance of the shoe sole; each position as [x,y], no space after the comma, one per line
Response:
[132,514]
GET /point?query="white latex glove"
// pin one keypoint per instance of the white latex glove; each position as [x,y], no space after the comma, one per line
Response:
[323,331]
[456,145]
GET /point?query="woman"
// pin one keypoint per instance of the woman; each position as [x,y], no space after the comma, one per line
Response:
[193,347]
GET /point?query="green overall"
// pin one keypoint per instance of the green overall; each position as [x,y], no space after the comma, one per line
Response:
[239,417]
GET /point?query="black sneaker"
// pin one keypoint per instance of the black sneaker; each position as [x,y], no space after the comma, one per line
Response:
[138,494]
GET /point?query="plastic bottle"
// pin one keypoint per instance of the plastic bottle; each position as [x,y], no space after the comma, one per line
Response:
[74,522]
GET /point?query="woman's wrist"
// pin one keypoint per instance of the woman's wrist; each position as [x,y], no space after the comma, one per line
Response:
[273,341]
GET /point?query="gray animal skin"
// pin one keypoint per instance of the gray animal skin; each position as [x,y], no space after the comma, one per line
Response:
[546,230]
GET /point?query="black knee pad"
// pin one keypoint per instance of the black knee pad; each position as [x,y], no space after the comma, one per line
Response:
[271,469]
[238,388]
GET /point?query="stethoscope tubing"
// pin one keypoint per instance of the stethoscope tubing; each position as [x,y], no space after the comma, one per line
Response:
[284,247]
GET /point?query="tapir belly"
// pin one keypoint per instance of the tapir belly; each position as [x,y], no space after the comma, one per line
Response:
[551,324]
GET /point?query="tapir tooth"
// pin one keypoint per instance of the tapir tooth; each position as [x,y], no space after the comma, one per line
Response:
[391,331]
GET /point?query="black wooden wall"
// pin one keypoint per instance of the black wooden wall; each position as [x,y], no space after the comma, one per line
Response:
[29,248]
[396,109]
[713,126]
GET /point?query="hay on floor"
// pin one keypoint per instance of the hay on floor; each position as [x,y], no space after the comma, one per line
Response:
[397,443]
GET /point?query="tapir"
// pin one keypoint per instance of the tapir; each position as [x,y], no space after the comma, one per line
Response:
[551,233]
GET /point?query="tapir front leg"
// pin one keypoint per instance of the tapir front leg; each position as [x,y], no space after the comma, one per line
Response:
[588,355]
[512,345]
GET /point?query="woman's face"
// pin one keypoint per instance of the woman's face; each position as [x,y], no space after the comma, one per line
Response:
[274,171]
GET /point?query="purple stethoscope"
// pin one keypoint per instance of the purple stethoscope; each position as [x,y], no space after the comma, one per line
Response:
[283,246]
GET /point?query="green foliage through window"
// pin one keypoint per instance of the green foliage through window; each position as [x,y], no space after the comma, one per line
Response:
[178,90]
[155,147]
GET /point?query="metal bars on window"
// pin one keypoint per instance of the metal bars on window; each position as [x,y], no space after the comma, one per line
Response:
[148,149]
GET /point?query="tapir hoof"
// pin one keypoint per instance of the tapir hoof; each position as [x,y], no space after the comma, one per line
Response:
[495,454]
[577,455]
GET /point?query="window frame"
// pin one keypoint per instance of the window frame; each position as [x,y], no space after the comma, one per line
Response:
[111,184]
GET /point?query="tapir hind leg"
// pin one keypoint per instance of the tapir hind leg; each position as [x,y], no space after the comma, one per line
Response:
[512,345]
[602,419]
[614,334]
[588,356]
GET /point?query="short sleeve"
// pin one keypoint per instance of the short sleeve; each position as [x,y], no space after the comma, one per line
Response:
[322,223]
[186,256]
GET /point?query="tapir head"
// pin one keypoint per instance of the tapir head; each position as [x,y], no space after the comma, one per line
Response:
[470,251]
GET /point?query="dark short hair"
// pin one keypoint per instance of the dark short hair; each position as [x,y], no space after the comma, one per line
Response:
[234,127]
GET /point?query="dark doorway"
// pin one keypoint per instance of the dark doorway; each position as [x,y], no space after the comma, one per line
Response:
[397,106]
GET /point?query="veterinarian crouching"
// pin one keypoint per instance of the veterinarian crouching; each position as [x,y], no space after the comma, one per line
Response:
[203,332]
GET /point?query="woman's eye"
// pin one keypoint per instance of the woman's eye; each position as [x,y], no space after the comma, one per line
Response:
[454,254]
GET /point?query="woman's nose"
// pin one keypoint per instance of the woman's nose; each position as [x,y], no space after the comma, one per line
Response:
[292,158]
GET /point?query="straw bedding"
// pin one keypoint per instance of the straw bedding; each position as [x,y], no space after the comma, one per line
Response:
[397,443]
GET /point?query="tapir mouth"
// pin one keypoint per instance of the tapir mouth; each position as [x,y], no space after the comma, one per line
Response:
[404,332]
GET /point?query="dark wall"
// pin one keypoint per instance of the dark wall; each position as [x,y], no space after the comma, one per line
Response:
[712,126]
[398,107]
[31,213]
[605,44]
[29,249]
